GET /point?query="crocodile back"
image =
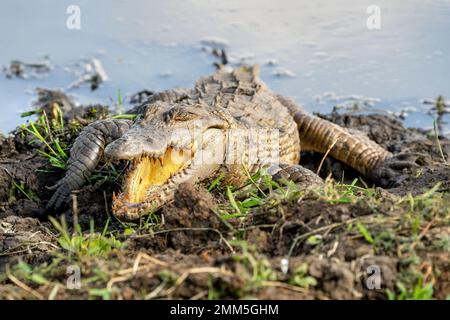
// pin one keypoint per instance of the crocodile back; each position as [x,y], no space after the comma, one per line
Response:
[252,105]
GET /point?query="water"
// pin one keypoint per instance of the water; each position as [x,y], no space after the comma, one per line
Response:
[323,50]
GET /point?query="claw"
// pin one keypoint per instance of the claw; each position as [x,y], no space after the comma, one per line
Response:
[393,171]
[402,164]
[54,187]
[413,156]
[59,199]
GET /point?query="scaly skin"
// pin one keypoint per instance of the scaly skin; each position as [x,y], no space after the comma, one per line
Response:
[319,135]
[85,155]
[224,109]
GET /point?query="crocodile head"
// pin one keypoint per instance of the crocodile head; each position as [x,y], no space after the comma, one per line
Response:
[168,145]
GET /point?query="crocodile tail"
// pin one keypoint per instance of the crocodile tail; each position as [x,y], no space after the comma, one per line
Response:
[351,147]
[85,155]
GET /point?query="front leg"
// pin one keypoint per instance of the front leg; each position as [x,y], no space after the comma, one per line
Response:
[85,155]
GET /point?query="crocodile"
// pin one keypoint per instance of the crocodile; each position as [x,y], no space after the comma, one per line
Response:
[230,125]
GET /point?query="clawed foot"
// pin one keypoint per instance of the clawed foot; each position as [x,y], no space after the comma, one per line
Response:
[394,170]
[59,200]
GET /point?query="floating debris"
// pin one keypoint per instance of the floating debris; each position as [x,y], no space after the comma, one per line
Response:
[54,103]
[283,72]
[216,47]
[165,74]
[27,70]
[222,54]
[351,102]
[141,96]
[92,74]
[404,112]
[271,62]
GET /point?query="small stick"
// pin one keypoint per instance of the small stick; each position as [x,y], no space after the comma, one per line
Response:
[325,155]
[197,270]
[22,285]
[436,133]
[75,211]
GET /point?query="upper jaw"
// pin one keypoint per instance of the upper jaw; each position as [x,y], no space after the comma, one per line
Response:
[124,150]
[131,151]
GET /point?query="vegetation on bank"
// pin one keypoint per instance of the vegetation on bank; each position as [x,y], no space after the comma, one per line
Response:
[269,236]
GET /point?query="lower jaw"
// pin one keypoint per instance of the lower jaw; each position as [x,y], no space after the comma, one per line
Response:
[123,209]
[131,212]
[164,194]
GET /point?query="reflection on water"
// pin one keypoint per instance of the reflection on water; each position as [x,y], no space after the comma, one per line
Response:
[319,52]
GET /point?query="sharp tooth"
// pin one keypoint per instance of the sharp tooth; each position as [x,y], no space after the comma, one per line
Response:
[161,161]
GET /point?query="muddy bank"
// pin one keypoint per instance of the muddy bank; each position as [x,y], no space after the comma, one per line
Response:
[20,161]
[188,249]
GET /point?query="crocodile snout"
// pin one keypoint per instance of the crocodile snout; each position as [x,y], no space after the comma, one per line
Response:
[128,148]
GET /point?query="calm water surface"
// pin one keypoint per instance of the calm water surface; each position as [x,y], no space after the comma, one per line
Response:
[319,52]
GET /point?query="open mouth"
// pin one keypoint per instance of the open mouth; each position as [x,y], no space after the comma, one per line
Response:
[148,174]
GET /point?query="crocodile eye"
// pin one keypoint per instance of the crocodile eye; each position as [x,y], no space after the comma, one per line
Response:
[178,115]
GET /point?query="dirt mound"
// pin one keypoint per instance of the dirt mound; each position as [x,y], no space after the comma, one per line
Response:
[26,238]
[189,224]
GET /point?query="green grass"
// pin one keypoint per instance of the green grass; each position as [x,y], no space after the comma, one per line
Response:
[119,101]
[22,189]
[438,143]
[125,116]
[420,291]
[108,172]
[80,244]
[300,277]
[216,182]
[54,137]
[27,272]
[48,134]
[414,213]
[341,193]
[261,269]
[366,234]
[257,191]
